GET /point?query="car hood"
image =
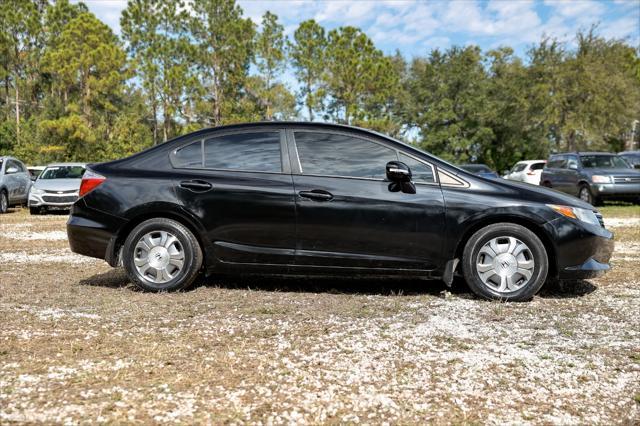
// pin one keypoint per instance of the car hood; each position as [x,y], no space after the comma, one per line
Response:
[57,184]
[541,194]
[613,172]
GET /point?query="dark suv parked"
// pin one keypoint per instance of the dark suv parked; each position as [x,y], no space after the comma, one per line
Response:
[310,198]
[592,176]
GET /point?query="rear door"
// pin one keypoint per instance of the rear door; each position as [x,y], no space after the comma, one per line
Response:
[347,213]
[239,185]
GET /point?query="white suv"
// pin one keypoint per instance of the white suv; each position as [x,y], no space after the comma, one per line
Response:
[527,171]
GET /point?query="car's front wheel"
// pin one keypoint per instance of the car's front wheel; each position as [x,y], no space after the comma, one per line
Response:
[505,261]
[162,255]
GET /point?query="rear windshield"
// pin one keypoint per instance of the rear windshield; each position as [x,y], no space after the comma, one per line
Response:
[603,162]
[62,172]
[537,166]
[476,168]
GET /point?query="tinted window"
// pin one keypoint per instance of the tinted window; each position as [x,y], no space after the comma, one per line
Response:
[557,163]
[603,161]
[518,168]
[420,171]
[537,166]
[572,163]
[189,156]
[259,152]
[342,155]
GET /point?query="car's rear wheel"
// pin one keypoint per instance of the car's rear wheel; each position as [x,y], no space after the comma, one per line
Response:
[4,202]
[505,261]
[162,255]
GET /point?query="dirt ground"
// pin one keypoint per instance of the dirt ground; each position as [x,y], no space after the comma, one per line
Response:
[79,344]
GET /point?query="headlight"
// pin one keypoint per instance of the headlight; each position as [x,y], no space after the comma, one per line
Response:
[584,215]
[36,191]
[600,179]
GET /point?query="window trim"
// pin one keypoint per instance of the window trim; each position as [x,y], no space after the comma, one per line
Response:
[284,156]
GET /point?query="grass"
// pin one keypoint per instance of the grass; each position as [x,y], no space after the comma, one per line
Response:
[623,210]
[79,344]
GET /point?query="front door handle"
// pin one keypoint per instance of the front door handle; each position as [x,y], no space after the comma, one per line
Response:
[316,194]
[196,185]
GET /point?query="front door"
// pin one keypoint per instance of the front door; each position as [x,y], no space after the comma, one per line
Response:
[349,216]
[241,189]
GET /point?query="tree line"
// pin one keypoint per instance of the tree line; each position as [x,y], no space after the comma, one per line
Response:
[73,90]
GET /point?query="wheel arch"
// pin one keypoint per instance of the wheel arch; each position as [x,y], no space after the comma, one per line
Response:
[167,211]
[528,223]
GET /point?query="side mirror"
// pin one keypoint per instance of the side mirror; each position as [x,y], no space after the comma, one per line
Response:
[400,176]
[34,177]
[398,172]
[11,170]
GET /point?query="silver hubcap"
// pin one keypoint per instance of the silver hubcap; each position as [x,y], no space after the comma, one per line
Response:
[158,257]
[584,194]
[505,264]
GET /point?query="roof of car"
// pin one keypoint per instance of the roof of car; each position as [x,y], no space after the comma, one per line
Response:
[66,164]
[585,153]
[531,161]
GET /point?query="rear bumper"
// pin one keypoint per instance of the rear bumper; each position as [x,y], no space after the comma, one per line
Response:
[581,250]
[93,233]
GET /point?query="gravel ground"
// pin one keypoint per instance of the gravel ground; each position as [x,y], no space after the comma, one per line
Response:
[79,344]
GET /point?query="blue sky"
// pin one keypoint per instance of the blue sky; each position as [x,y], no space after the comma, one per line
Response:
[416,27]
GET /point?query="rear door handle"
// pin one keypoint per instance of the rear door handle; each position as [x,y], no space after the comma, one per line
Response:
[196,185]
[316,194]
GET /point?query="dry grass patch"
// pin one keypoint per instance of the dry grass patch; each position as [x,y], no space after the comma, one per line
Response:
[79,344]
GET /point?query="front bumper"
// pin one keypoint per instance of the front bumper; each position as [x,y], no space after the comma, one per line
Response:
[581,250]
[616,190]
[52,199]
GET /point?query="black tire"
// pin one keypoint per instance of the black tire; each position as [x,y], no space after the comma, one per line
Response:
[584,193]
[188,243]
[4,202]
[35,210]
[486,234]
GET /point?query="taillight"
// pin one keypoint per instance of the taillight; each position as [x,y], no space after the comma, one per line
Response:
[90,181]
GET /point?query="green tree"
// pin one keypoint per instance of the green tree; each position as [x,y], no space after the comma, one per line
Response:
[87,64]
[223,54]
[449,103]
[270,50]
[307,54]
[359,79]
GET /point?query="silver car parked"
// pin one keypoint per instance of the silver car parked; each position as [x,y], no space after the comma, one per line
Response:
[15,182]
[56,188]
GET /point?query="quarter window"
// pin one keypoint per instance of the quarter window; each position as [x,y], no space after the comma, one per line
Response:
[420,172]
[257,152]
[189,156]
[332,154]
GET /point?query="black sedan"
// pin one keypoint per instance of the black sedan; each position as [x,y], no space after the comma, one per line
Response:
[321,199]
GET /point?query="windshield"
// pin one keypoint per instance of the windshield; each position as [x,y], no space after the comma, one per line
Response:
[62,172]
[631,158]
[603,162]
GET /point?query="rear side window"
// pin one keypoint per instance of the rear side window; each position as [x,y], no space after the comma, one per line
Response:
[330,154]
[189,155]
[257,152]
[557,163]
[420,171]
[519,167]
[537,166]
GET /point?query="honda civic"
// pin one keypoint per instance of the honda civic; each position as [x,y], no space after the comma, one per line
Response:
[291,198]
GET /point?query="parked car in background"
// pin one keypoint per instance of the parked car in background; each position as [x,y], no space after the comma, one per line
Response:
[632,157]
[14,183]
[592,176]
[56,187]
[35,171]
[480,170]
[324,199]
[526,171]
